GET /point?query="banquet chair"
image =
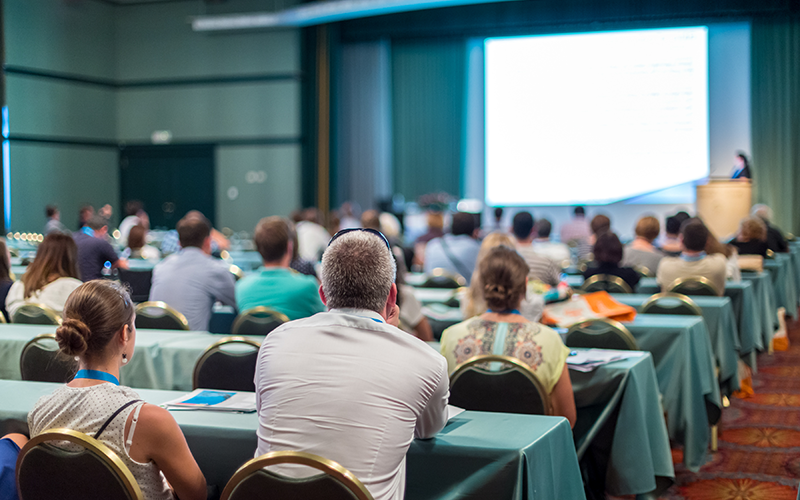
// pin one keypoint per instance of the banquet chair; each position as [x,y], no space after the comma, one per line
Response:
[606,283]
[439,278]
[42,361]
[138,281]
[160,316]
[253,482]
[694,285]
[87,469]
[225,369]
[511,388]
[671,303]
[35,314]
[601,333]
[644,271]
[257,320]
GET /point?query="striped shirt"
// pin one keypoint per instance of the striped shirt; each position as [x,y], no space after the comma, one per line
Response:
[541,267]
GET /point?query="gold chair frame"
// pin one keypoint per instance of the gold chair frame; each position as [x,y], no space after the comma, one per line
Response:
[321,464]
[508,360]
[696,310]
[644,271]
[623,332]
[609,278]
[216,346]
[236,271]
[699,279]
[103,452]
[49,312]
[253,310]
[166,308]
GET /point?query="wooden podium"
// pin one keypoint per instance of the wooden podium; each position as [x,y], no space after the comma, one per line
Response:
[722,204]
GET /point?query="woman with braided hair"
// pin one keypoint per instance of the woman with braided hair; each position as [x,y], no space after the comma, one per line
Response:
[502,330]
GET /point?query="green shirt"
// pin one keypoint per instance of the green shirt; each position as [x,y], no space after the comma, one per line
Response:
[295,295]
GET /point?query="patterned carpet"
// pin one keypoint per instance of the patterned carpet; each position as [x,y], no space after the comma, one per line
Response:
[759,442]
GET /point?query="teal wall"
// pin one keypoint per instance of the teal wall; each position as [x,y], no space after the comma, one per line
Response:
[147,71]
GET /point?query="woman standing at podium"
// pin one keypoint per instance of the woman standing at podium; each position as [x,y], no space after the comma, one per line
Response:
[742,165]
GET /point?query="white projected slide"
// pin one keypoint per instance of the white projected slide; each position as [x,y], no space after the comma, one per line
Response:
[595,118]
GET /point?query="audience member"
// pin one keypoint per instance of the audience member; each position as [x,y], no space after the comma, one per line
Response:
[682,216]
[540,268]
[775,239]
[311,235]
[693,260]
[298,263]
[95,253]
[607,257]
[135,216]
[752,237]
[276,285]
[641,252]
[498,219]
[600,224]
[456,252]
[412,320]
[170,243]
[503,330]
[138,247]
[577,230]
[348,215]
[5,278]
[435,221]
[50,278]
[472,303]
[99,330]
[557,252]
[10,445]
[342,398]
[191,280]
[54,224]
[714,246]
[672,243]
[85,213]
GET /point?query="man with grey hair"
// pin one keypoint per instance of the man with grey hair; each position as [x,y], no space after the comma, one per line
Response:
[347,384]
[775,240]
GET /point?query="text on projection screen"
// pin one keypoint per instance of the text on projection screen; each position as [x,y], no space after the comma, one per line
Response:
[595,117]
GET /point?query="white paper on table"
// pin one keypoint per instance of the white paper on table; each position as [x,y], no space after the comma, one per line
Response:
[212,400]
[587,360]
[453,411]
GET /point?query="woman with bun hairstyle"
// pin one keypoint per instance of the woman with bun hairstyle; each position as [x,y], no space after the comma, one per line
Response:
[501,329]
[98,329]
[50,278]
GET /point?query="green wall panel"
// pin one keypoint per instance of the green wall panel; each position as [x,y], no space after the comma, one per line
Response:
[210,111]
[65,175]
[57,35]
[48,107]
[157,41]
[265,180]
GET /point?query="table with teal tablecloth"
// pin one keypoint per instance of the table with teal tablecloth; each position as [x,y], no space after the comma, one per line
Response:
[784,280]
[477,455]
[765,308]
[618,408]
[684,361]
[163,359]
[721,324]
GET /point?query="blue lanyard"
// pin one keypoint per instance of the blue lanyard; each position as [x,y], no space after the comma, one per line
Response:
[510,311]
[97,375]
[693,258]
[87,230]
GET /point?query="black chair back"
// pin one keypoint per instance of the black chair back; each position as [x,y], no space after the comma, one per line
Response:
[511,389]
[221,368]
[605,283]
[253,482]
[671,303]
[138,281]
[159,316]
[696,285]
[601,334]
[88,470]
[257,321]
[42,361]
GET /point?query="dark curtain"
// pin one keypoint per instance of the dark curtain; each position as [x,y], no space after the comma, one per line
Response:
[428,84]
[775,86]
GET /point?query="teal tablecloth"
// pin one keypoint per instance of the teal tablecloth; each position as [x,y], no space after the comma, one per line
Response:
[784,280]
[622,399]
[721,324]
[684,362]
[765,308]
[477,455]
[163,359]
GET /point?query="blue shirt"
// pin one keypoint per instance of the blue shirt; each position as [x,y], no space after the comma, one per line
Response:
[282,289]
[460,257]
[9,451]
[191,281]
[93,253]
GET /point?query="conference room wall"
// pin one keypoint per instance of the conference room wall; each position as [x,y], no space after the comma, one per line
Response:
[67,175]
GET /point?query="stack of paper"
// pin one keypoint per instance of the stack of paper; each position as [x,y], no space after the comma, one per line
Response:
[205,399]
[586,360]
